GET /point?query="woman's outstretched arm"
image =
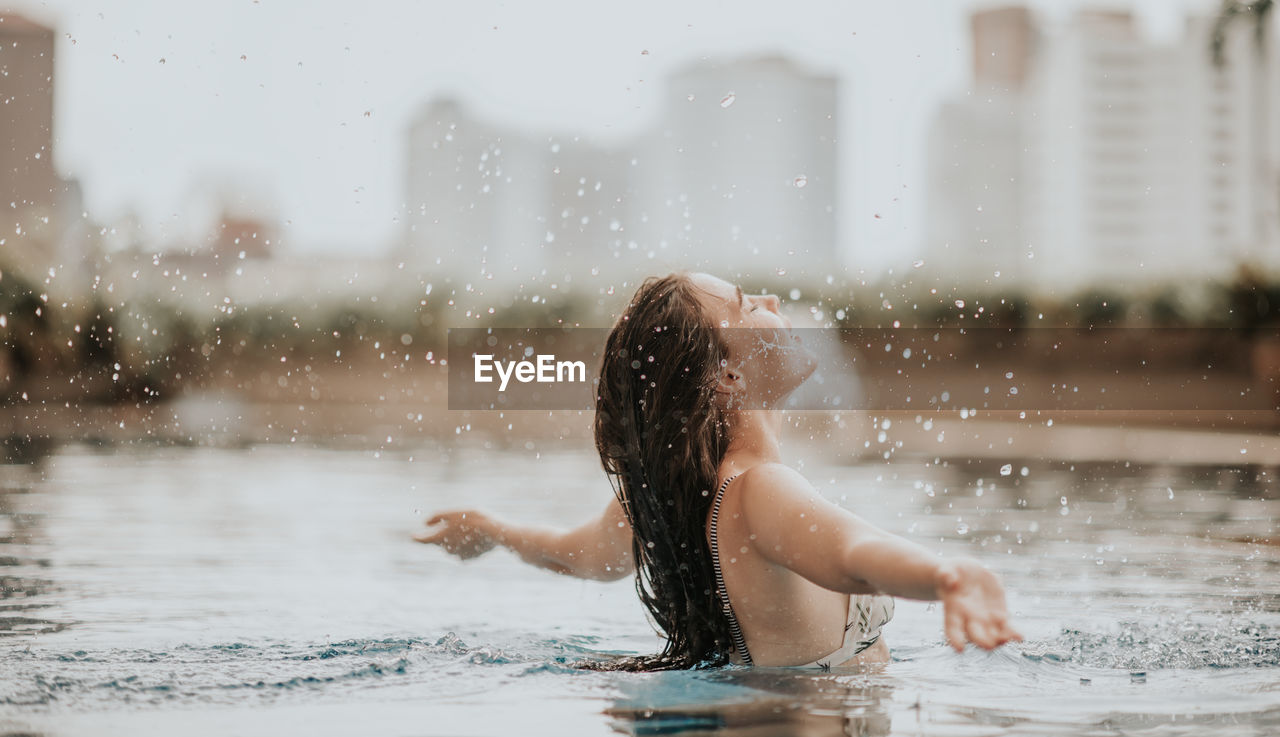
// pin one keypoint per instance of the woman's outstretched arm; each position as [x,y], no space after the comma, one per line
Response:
[794,526]
[599,549]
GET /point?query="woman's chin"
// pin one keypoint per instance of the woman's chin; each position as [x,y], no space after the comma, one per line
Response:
[781,393]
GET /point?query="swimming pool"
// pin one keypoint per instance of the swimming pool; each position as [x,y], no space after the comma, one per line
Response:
[274,588]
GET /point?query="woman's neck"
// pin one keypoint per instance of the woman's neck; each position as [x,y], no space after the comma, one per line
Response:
[756,436]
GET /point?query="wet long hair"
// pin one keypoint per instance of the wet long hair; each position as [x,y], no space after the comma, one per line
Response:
[661,437]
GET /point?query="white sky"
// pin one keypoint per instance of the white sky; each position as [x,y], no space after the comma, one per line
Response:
[286,124]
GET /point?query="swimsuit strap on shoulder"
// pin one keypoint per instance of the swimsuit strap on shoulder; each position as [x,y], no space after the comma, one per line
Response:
[739,642]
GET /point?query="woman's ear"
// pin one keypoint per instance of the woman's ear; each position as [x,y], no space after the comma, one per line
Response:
[731,381]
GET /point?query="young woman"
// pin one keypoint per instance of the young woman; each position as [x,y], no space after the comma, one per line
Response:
[736,556]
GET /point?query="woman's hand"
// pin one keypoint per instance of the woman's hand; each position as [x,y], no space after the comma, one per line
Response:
[973,606]
[465,533]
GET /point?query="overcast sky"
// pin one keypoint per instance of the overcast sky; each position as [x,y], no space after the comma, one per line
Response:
[303,105]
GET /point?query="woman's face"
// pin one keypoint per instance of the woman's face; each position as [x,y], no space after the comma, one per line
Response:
[766,361]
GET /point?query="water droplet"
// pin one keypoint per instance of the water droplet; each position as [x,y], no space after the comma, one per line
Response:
[917,263]
[801,181]
[960,303]
[1006,469]
[728,99]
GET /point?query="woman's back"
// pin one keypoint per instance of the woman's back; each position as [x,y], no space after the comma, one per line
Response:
[784,618]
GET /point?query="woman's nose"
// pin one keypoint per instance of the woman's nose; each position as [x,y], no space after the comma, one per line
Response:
[775,303]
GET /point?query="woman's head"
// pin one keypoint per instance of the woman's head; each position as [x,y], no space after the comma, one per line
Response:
[672,377]
[766,360]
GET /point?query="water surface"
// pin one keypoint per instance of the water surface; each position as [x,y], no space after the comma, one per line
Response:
[271,588]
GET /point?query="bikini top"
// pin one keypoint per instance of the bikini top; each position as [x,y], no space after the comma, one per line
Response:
[734,630]
[739,642]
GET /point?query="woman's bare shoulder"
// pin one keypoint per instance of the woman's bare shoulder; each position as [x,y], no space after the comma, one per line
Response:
[790,524]
[766,485]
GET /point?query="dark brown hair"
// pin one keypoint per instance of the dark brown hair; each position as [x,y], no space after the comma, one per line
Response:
[661,436]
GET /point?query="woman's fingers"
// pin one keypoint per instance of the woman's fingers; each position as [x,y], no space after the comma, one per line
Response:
[992,632]
[953,625]
[975,609]
[980,635]
[1009,634]
[450,516]
[431,537]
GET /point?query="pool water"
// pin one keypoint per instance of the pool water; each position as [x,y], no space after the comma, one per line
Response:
[272,588]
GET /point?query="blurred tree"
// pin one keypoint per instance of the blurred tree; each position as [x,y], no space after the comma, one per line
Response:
[27,334]
[1253,302]
[97,342]
[1010,311]
[1100,309]
[1166,308]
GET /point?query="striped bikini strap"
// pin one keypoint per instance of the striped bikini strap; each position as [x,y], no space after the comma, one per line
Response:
[739,642]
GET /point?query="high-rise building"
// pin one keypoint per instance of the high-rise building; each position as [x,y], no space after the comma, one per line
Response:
[40,212]
[1004,41]
[745,165]
[738,175]
[1111,159]
[974,225]
[487,204]
[454,180]
[974,222]
[27,176]
[593,220]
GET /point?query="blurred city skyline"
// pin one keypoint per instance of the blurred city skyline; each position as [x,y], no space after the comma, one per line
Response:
[1103,147]
[162,111]
[1087,154]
